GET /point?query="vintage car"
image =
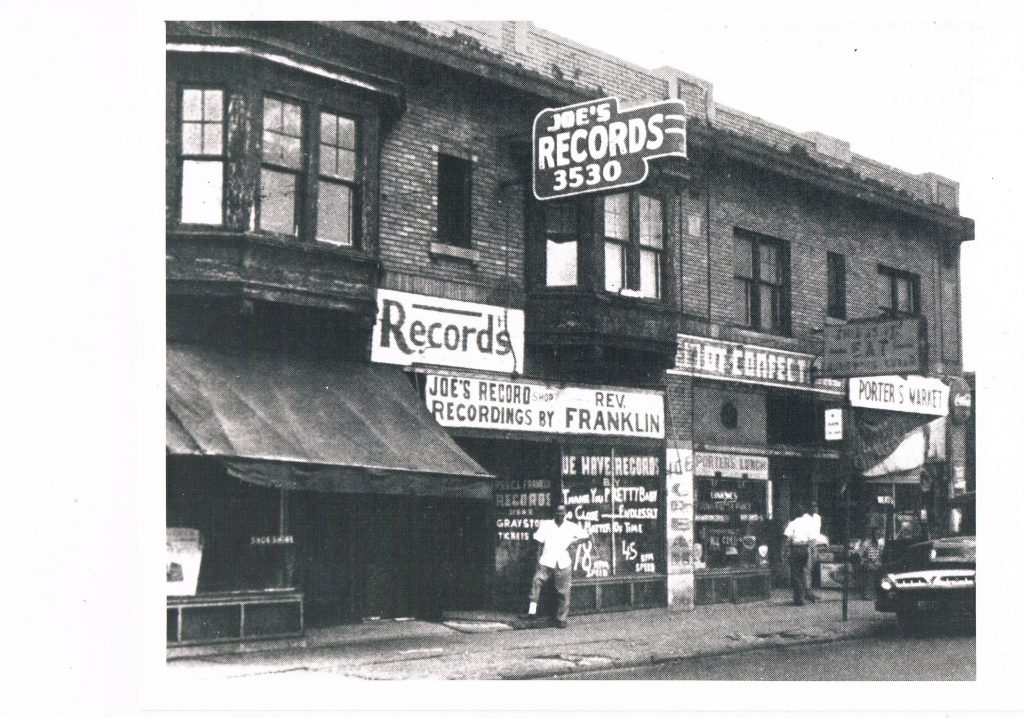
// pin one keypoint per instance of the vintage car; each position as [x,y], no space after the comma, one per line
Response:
[929,583]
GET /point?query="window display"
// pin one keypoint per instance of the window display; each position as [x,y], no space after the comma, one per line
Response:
[731,520]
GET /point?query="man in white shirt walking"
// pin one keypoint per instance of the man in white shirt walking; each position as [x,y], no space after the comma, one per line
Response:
[556,538]
[812,552]
[800,532]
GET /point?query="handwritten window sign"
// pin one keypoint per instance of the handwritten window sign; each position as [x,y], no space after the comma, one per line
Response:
[731,517]
[913,394]
[594,146]
[477,403]
[878,346]
[613,493]
[417,329]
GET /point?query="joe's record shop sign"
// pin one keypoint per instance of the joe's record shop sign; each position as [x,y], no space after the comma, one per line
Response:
[417,329]
[594,146]
[477,403]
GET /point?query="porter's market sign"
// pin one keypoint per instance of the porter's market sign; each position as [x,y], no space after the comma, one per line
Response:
[593,146]
[476,403]
[913,394]
[416,329]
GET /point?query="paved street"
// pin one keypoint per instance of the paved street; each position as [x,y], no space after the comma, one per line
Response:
[885,656]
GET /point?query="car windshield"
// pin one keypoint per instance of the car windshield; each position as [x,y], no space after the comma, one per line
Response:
[960,554]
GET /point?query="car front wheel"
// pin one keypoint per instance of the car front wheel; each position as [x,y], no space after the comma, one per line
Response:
[908,619]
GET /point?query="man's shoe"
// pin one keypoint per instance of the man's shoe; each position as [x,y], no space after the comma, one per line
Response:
[561,624]
[528,616]
[798,603]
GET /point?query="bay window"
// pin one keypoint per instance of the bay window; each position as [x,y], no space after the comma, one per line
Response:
[282,167]
[634,238]
[202,156]
[337,181]
[561,235]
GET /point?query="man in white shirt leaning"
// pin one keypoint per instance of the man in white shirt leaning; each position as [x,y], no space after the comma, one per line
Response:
[556,538]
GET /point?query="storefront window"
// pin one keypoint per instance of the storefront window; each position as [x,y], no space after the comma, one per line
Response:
[613,493]
[229,530]
[731,521]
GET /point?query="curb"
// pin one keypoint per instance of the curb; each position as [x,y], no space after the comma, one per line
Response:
[537,674]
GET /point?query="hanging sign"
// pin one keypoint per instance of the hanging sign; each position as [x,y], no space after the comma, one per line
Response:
[960,399]
[913,394]
[594,146]
[833,424]
[503,405]
[875,346]
[417,329]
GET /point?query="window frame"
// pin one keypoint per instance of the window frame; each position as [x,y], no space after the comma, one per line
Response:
[754,282]
[570,207]
[301,175]
[353,185]
[631,247]
[835,285]
[182,157]
[464,213]
[894,276]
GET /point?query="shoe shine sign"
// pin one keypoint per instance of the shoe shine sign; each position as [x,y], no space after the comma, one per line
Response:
[417,329]
[594,146]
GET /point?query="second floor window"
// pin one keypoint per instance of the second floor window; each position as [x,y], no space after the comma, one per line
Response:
[281,173]
[337,181]
[634,238]
[454,200]
[561,235]
[202,156]
[898,292]
[836,267]
[761,281]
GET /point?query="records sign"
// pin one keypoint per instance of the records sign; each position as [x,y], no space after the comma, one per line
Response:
[594,146]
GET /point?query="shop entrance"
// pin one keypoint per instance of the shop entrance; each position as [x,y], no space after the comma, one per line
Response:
[391,556]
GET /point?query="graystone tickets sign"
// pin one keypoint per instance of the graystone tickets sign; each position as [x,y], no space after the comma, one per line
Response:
[593,146]
[877,346]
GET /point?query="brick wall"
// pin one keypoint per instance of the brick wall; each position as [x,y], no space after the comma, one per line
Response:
[525,45]
[813,223]
[470,120]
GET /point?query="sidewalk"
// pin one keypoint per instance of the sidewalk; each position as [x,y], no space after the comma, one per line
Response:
[492,649]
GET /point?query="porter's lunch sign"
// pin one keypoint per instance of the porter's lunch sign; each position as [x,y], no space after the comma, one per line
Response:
[593,146]
[476,403]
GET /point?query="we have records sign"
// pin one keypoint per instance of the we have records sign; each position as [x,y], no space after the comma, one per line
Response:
[594,146]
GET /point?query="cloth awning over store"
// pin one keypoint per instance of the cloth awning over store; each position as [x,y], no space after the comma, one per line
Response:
[322,425]
[893,447]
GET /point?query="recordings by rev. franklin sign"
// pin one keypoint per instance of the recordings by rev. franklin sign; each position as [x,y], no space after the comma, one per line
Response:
[593,146]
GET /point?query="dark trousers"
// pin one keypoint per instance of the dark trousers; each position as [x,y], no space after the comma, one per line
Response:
[562,578]
[798,558]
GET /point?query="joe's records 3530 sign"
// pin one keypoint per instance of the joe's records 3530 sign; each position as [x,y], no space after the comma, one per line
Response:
[593,146]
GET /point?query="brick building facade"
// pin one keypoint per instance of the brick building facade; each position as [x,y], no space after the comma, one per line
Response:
[315,167]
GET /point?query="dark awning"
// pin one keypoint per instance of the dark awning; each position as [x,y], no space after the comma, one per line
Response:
[322,425]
